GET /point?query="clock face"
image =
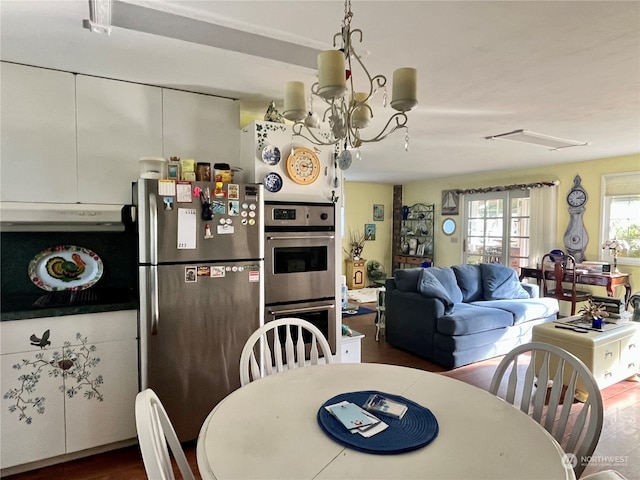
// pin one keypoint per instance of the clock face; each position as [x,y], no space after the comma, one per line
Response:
[303,166]
[576,198]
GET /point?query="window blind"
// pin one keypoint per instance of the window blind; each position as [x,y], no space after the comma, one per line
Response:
[622,184]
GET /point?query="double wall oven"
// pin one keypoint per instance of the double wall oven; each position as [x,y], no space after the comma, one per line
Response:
[300,277]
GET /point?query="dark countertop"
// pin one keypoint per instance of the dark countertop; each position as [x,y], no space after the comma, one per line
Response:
[62,311]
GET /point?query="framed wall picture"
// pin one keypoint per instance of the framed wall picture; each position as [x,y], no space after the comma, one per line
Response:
[369,231]
[420,250]
[450,202]
[378,213]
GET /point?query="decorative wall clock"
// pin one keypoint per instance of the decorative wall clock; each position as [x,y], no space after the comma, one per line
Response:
[303,166]
[576,237]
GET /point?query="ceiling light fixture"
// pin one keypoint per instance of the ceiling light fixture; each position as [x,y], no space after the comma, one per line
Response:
[537,138]
[99,17]
[348,110]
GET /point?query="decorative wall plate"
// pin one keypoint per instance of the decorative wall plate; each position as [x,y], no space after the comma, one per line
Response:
[270,155]
[303,166]
[65,267]
[273,182]
[344,159]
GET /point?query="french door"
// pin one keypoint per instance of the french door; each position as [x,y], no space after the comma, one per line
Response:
[497,228]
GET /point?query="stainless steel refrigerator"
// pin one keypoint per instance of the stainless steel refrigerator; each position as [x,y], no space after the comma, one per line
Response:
[201,265]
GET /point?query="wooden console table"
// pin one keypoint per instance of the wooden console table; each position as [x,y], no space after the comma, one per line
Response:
[610,281]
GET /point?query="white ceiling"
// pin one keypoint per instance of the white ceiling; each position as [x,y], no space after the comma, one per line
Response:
[569,69]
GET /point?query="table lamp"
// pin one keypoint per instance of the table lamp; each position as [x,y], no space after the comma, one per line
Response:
[615,247]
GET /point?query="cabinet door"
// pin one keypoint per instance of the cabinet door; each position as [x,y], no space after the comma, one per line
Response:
[118,122]
[108,415]
[200,127]
[38,135]
[32,407]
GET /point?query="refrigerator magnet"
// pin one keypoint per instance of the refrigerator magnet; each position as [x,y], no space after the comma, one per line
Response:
[207,231]
[234,207]
[190,274]
[183,192]
[217,271]
[168,203]
[218,207]
[204,271]
[233,192]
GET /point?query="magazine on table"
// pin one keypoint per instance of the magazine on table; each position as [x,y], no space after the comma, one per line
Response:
[356,419]
[380,404]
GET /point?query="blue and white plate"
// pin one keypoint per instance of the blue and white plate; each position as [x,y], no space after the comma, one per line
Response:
[273,182]
[271,155]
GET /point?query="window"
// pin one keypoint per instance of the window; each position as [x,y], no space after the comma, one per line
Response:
[621,215]
[493,220]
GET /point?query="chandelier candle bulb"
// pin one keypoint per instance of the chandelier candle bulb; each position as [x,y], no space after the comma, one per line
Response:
[294,101]
[404,96]
[361,113]
[332,82]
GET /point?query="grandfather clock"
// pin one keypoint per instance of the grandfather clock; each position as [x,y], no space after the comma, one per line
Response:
[576,237]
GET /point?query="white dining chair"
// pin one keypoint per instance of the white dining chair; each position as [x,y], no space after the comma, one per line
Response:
[576,425]
[282,344]
[154,432]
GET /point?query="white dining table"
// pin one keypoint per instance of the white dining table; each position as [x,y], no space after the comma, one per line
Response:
[268,429]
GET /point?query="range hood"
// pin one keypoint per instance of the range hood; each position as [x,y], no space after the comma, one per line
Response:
[61,217]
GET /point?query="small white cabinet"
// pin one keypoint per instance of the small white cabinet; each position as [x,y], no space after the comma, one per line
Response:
[38,135]
[200,127]
[77,393]
[118,122]
[350,347]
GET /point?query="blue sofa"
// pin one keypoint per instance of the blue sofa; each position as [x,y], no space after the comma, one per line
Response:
[458,315]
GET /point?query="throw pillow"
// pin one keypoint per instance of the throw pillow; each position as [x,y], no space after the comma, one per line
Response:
[430,287]
[407,279]
[448,280]
[501,283]
[469,279]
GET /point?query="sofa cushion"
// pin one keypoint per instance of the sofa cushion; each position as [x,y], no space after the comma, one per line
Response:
[448,280]
[469,279]
[407,279]
[500,282]
[466,319]
[524,310]
[430,286]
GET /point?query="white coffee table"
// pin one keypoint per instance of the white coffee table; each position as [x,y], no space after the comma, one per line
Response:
[612,355]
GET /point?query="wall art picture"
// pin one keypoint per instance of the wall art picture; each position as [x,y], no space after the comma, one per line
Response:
[369,231]
[450,202]
[378,213]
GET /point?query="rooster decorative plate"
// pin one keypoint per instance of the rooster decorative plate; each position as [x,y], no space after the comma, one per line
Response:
[303,166]
[65,267]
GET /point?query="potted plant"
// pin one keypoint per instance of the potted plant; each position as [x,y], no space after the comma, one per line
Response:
[356,245]
[594,312]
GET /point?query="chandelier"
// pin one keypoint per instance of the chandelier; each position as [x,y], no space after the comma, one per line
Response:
[348,111]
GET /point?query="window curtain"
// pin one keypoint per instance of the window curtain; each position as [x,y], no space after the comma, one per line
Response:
[543,222]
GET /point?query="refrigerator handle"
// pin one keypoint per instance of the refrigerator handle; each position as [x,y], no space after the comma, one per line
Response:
[155,309]
[153,230]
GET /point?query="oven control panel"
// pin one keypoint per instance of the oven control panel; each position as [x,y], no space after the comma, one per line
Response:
[299,216]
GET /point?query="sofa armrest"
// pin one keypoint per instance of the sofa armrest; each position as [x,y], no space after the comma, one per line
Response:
[410,320]
[532,289]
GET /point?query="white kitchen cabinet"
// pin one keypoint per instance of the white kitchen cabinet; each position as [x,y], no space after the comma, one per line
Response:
[351,348]
[118,122]
[200,127]
[87,392]
[38,135]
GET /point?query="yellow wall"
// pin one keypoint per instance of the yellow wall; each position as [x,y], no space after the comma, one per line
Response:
[359,200]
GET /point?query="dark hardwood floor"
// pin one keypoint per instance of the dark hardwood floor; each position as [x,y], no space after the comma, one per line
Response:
[618,448]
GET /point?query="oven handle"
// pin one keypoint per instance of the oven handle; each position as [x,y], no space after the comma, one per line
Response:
[302,237]
[300,310]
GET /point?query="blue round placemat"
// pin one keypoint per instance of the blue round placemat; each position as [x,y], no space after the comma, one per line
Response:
[417,428]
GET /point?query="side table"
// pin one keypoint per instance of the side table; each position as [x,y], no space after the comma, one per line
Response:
[611,355]
[355,274]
